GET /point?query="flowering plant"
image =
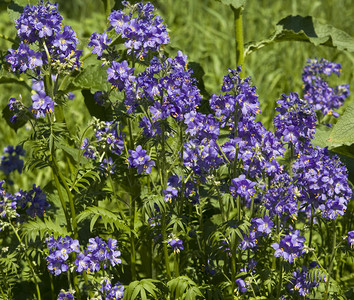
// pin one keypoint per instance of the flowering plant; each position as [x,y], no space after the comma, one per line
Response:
[178,196]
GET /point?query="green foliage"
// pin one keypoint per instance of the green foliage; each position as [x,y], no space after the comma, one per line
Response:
[183,287]
[307,29]
[145,289]
[84,179]
[38,228]
[207,227]
[95,214]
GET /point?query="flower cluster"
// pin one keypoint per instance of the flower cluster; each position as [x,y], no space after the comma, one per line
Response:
[322,182]
[296,121]
[110,292]
[99,42]
[290,247]
[240,99]
[317,91]
[109,137]
[63,295]
[139,159]
[98,253]
[243,187]
[34,201]
[59,250]
[8,204]
[302,284]
[24,58]
[11,161]
[120,75]
[42,25]
[236,109]
[142,33]
[281,198]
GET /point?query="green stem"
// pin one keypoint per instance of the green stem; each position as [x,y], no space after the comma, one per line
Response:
[52,287]
[311,226]
[239,207]
[48,83]
[176,264]
[70,197]
[5,37]
[28,260]
[62,201]
[132,238]
[165,251]
[107,7]
[233,271]
[239,35]
[334,248]
[221,204]
[280,279]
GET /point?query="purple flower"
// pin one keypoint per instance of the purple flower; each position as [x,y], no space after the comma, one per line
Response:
[59,250]
[11,161]
[295,122]
[99,42]
[242,187]
[263,225]
[176,245]
[107,133]
[8,204]
[63,295]
[322,182]
[143,33]
[23,58]
[38,21]
[350,239]
[35,201]
[139,159]
[41,104]
[110,292]
[302,283]
[82,262]
[120,75]
[317,91]
[241,285]
[290,247]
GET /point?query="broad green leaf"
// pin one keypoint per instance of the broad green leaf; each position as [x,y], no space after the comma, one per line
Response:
[7,114]
[91,76]
[306,29]
[343,131]
[100,112]
[234,3]
[321,136]
[15,8]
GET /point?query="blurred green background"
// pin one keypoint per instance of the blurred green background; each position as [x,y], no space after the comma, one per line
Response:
[204,30]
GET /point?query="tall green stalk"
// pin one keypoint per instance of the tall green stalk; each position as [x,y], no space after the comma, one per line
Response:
[30,264]
[238,35]
[334,248]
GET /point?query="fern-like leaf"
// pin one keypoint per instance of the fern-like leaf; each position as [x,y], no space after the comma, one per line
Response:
[84,179]
[95,213]
[183,287]
[38,228]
